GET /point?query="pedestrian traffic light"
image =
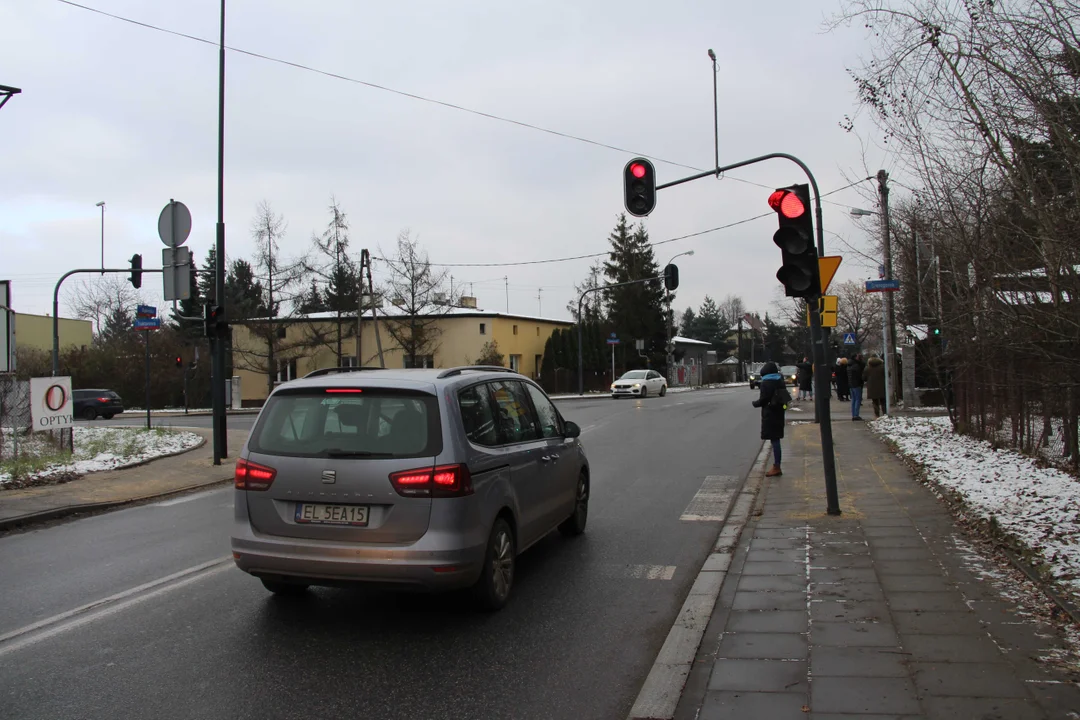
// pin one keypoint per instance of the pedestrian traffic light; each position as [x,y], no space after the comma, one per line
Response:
[179,361]
[936,332]
[795,238]
[214,321]
[671,277]
[136,271]
[639,186]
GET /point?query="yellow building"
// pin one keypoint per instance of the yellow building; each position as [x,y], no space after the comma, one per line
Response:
[309,342]
[35,331]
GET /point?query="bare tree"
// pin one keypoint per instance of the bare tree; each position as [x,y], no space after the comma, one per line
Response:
[416,291]
[336,281]
[859,312]
[593,305]
[102,300]
[732,308]
[279,282]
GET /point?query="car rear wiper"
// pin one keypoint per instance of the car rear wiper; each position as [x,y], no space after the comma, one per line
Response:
[338,453]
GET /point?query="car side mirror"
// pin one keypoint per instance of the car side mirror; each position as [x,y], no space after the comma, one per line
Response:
[571,430]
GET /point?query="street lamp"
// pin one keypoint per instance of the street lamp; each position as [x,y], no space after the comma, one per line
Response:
[102,206]
[671,319]
[859,212]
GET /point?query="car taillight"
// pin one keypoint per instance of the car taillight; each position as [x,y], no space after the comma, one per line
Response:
[252,476]
[104,399]
[441,481]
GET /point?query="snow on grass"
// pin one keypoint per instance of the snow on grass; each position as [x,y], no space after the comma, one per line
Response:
[96,449]
[1036,507]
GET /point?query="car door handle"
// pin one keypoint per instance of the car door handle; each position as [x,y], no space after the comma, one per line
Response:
[545,458]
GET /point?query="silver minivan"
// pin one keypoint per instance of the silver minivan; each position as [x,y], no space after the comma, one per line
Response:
[434,479]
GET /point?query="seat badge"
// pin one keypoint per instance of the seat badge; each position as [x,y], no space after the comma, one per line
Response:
[329,477]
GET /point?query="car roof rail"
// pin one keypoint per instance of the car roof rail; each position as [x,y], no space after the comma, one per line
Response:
[450,372]
[332,370]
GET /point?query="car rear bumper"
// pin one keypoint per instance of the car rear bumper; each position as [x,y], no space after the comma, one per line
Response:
[339,563]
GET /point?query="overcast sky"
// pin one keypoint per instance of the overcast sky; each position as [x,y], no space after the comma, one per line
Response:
[116,112]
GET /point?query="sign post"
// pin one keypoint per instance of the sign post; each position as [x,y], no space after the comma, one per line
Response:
[146,319]
[613,341]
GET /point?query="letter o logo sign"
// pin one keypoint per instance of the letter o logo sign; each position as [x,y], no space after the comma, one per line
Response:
[55,397]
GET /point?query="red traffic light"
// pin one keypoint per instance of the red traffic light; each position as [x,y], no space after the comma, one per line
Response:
[637,170]
[787,204]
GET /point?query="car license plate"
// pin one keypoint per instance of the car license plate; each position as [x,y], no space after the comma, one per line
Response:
[331,514]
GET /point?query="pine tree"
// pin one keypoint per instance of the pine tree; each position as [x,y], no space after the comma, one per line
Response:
[688,324]
[710,325]
[635,311]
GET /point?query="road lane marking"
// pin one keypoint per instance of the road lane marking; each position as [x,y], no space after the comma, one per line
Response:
[72,619]
[711,502]
[642,572]
[186,498]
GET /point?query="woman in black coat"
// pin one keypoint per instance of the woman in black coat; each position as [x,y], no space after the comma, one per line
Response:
[841,379]
[772,417]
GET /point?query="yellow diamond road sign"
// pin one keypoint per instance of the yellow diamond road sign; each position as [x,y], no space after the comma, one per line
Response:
[827,269]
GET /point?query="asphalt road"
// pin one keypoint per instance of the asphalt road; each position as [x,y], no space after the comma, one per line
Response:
[142,615]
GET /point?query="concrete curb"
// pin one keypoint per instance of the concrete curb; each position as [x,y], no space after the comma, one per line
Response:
[55,513]
[659,695]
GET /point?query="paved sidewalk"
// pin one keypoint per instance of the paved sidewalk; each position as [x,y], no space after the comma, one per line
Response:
[881,612]
[187,471]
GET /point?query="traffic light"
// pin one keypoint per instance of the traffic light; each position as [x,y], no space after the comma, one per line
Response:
[179,361]
[214,321]
[795,238]
[136,271]
[639,186]
[935,331]
[671,277]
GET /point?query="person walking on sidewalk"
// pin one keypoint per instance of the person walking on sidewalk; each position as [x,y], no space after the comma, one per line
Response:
[875,383]
[855,380]
[773,401]
[805,378]
[842,379]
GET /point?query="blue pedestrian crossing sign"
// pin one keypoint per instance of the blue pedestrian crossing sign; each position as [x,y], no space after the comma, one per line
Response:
[849,338]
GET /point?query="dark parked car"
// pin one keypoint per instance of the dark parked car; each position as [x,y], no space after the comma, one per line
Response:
[89,404]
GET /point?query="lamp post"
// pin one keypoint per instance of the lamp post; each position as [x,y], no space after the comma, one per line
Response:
[102,206]
[671,320]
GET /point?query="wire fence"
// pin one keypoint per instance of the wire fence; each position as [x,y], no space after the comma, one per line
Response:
[15,421]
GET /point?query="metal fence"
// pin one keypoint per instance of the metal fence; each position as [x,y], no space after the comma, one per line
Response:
[15,420]
[1016,401]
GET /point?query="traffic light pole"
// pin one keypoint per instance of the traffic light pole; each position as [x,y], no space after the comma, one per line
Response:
[56,307]
[580,354]
[819,336]
[217,365]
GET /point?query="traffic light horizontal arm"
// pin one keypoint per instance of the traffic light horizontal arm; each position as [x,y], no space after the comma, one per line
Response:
[761,158]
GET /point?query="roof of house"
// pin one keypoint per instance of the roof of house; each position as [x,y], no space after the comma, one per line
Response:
[393,311]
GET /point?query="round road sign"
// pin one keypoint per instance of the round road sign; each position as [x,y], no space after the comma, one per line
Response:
[174,224]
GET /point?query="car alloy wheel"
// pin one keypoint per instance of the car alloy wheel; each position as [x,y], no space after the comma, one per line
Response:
[575,524]
[502,564]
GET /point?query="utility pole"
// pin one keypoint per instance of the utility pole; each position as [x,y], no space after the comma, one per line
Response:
[506,284]
[217,374]
[889,340]
[738,352]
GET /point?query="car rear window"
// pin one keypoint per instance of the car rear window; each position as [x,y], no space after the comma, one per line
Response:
[369,423]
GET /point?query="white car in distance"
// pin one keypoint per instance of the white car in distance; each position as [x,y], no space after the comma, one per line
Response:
[639,383]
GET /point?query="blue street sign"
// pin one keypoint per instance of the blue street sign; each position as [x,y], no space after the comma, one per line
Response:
[144,323]
[613,341]
[849,338]
[882,285]
[146,311]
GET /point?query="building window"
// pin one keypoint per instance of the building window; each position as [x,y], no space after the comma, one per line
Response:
[281,332]
[483,328]
[286,370]
[537,331]
[348,361]
[515,329]
[538,360]
[515,362]
[422,361]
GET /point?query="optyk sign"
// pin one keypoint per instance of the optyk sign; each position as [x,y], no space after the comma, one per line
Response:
[50,403]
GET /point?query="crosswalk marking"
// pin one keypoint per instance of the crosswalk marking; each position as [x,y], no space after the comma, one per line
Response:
[711,502]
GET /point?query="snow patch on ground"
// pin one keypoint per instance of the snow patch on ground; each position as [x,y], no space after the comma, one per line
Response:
[105,448]
[1037,507]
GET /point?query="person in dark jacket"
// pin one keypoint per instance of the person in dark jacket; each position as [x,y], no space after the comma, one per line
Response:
[772,418]
[842,379]
[805,379]
[874,376]
[855,380]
